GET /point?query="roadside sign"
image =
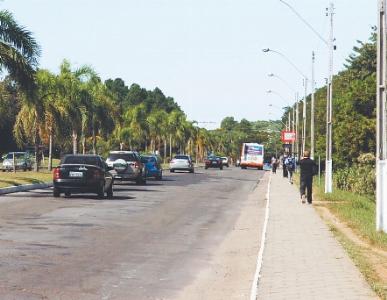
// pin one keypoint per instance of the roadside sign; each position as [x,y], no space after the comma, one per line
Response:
[288,136]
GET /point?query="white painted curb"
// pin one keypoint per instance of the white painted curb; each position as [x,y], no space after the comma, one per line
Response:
[254,287]
[24,187]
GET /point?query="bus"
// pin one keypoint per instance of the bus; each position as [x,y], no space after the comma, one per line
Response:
[252,156]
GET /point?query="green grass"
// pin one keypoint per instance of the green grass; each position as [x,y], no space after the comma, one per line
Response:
[14,179]
[357,211]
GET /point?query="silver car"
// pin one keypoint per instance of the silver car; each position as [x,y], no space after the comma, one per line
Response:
[181,163]
[22,161]
[127,166]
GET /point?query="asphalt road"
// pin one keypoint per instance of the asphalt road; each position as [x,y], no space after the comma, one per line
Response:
[148,242]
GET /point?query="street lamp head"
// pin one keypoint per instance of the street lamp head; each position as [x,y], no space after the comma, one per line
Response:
[266,50]
[269,91]
[271,75]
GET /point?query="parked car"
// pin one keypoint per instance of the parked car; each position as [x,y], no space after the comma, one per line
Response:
[79,173]
[225,161]
[152,166]
[23,161]
[213,162]
[127,166]
[181,163]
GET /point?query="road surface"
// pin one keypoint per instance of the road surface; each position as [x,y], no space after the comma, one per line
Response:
[188,236]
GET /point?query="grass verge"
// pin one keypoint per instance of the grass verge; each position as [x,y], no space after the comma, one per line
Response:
[361,258]
[30,177]
[356,232]
[358,212]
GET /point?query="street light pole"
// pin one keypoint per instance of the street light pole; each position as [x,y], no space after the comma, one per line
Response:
[328,161]
[381,130]
[312,110]
[304,116]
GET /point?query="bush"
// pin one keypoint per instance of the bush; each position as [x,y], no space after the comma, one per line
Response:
[359,179]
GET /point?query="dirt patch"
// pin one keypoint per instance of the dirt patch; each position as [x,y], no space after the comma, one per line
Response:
[377,258]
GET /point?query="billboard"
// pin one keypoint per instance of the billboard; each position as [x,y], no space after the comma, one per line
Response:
[288,136]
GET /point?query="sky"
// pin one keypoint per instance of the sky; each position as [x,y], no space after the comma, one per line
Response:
[206,54]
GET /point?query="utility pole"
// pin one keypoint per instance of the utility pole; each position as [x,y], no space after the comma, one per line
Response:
[304,116]
[297,127]
[312,110]
[381,130]
[328,161]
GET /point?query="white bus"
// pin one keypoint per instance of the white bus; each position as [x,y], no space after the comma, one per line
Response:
[252,156]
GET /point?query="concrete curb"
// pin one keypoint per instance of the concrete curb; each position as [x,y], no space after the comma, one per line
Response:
[24,187]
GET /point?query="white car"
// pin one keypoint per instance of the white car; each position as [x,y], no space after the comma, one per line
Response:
[181,163]
[225,161]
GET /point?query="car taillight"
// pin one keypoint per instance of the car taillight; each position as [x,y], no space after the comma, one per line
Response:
[56,173]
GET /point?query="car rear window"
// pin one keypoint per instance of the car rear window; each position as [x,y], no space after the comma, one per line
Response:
[87,160]
[181,157]
[124,156]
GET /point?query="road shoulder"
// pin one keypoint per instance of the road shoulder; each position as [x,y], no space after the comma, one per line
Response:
[230,272]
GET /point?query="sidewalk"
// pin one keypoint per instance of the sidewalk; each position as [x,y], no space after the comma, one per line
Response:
[302,259]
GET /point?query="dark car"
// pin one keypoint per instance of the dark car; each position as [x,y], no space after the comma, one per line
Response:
[213,162]
[83,174]
[152,166]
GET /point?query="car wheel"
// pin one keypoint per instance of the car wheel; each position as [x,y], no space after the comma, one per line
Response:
[109,192]
[172,171]
[191,171]
[206,168]
[160,176]
[221,168]
[56,193]
[67,194]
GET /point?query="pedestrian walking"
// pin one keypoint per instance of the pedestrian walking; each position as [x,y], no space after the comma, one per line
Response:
[290,163]
[284,169]
[307,170]
[274,165]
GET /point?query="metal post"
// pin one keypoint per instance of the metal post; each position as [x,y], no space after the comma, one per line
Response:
[14,162]
[319,170]
[381,130]
[297,127]
[328,162]
[312,111]
[304,116]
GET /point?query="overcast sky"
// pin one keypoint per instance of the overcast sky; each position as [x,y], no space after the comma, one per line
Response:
[207,54]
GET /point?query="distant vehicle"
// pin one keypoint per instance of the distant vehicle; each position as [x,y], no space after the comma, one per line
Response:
[225,161]
[213,162]
[23,161]
[181,163]
[267,166]
[127,166]
[82,174]
[252,156]
[152,166]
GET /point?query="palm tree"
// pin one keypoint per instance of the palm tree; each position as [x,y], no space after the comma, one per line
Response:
[73,91]
[18,52]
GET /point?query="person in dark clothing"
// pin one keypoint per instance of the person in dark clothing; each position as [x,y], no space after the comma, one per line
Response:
[284,169]
[307,171]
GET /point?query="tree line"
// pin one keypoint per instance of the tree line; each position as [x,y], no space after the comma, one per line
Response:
[354,108]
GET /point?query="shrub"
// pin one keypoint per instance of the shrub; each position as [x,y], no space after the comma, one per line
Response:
[359,179]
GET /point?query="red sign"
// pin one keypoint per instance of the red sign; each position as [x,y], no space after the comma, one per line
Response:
[288,136]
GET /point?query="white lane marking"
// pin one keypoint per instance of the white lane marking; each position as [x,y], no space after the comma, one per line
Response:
[254,288]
